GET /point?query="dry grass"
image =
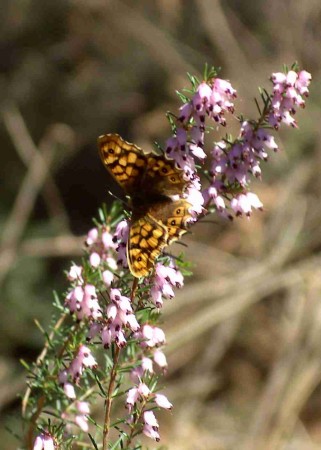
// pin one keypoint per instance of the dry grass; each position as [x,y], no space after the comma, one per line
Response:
[244,334]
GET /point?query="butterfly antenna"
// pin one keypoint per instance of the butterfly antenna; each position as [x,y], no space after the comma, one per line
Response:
[208,221]
[182,243]
[119,199]
[175,258]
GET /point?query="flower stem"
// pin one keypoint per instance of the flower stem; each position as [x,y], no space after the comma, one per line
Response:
[109,398]
[112,380]
[133,430]
[41,401]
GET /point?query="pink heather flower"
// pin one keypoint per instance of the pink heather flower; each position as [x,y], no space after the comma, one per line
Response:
[44,442]
[94,259]
[83,407]
[84,302]
[121,255]
[165,278]
[151,426]
[197,144]
[287,95]
[75,274]
[106,337]
[150,419]
[278,79]
[303,81]
[81,418]
[111,263]
[258,139]
[243,204]
[195,198]
[156,296]
[162,401]
[111,312]
[211,195]
[185,112]
[177,150]
[224,87]
[147,365]
[120,300]
[142,391]
[132,397]
[137,373]
[82,422]
[78,416]
[167,275]
[151,336]
[204,92]
[132,322]
[108,277]
[63,377]
[94,330]
[160,359]
[181,137]
[291,78]
[92,236]
[107,240]
[121,232]
[120,315]
[220,100]
[69,390]
[101,247]
[118,336]
[83,359]
[151,432]
[86,357]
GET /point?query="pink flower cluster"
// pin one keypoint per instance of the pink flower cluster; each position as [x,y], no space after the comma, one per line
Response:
[101,247]
[165,278]
[137,399]
[150,338]
[115,323]
[211,100]
[288,92]
[120,239]
[82,359]
[44,442]
[118,317]
[78,411]
[77,415]
[100,282]
[83,301]
[233,163]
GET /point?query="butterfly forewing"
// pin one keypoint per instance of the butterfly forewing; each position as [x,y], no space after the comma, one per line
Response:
[125,161]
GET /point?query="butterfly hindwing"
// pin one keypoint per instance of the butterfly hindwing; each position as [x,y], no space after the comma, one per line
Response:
[175,216]
[147,238]
[163,175]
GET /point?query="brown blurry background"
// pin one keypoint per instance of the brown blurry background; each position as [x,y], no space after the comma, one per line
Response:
[245,333]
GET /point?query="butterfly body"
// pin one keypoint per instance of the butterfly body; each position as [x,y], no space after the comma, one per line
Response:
[149,180]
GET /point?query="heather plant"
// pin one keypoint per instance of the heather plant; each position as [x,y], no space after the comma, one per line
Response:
[106,341]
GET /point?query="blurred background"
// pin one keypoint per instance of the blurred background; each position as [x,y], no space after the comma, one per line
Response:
[245,333]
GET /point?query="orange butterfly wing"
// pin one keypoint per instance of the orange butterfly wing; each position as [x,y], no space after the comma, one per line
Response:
[150,176]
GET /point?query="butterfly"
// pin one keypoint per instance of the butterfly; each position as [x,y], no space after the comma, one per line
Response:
[149,180]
